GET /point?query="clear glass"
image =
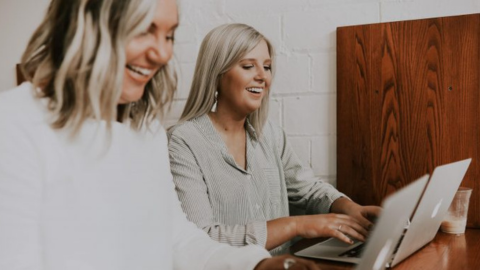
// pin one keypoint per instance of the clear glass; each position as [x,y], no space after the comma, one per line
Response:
[455,220]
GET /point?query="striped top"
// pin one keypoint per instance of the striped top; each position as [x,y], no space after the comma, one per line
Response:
[232,204]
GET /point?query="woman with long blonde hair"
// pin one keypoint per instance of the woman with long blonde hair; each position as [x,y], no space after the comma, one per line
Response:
[85,181]
[235,172]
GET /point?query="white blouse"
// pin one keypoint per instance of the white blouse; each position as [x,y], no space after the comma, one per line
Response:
[98,201]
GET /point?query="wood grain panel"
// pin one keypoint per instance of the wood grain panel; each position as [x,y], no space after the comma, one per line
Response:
[462,83]
[408,101]
[353,109]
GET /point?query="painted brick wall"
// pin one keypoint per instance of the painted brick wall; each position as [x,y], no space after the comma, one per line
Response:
[303,32]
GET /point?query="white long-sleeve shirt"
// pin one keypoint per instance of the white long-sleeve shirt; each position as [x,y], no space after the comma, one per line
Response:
[94,202]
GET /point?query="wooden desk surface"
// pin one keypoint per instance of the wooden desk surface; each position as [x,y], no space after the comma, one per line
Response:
[446,251]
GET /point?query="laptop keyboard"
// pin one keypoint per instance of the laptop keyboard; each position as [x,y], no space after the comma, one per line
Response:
[355,252]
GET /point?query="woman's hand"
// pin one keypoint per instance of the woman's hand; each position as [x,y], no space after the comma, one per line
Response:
[351,221]
[339,226]
[286,262]
[365,215]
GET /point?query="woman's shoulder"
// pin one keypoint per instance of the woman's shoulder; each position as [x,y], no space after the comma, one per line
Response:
[21,104]
[17,97]
[273,135]
[183,130]
[187,128]
[23,116]
[272,129]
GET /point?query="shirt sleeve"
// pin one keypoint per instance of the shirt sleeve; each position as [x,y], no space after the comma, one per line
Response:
[193,194]
[20,197]
[304,189]
[194,249]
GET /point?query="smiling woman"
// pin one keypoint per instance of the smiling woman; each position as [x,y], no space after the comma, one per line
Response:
[101,38]
[244,86]
[148,52]
[85,181]
[235,172]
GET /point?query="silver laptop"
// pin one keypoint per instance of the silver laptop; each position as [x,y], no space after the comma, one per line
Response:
[432,208]
[390,236]
[387,231]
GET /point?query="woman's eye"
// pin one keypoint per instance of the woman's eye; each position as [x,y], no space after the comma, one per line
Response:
[268,68]
[143,33]
[248,67]
[171,38]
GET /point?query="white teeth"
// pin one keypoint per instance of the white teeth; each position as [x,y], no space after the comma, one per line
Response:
[255,90]
[140,70]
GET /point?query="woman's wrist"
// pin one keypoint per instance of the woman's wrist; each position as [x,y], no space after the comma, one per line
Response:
[291,226]
[295,225]
[302,225]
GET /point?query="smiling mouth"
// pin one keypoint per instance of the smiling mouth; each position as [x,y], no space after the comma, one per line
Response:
[139,70]
[256,90]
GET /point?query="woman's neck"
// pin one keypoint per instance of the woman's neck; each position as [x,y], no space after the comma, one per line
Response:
[227,124]
[233,133]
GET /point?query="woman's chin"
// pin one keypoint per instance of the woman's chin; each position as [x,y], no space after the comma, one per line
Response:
[131,95]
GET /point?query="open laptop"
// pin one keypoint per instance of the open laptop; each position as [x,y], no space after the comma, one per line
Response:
[433,207]
[428,216]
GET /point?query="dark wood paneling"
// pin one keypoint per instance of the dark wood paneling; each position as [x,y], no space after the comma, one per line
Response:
[408,101]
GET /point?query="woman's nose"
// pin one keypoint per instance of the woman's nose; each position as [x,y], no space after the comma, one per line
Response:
[261,75]
[161,52]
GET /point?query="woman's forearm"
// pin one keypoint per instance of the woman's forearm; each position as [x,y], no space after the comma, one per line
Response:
[341,205]
[279,231]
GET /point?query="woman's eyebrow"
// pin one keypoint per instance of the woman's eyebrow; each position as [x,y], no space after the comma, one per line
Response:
[155,27]
[254,60]
[248,59]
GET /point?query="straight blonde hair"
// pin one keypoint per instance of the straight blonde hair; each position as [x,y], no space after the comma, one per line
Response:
[76,57]
[220,50]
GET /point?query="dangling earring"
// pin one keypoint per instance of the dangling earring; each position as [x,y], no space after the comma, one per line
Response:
[214,107]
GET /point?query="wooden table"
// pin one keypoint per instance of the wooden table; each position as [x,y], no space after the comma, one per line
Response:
[446,251]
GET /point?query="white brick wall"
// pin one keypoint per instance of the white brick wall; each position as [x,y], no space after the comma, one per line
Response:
[303,32]
[18,20]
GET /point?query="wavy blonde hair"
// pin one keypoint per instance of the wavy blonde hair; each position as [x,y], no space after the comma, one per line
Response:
[76,57]
[221,49]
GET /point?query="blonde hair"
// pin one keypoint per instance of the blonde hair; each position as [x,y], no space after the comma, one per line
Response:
[222,48]
[76,57]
